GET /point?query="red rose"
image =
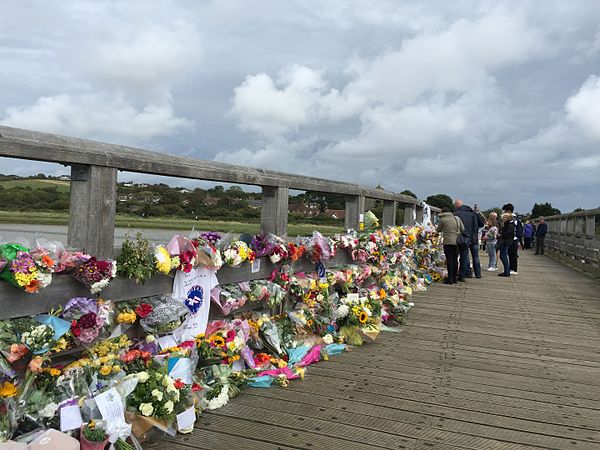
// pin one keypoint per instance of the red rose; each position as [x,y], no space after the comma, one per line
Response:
[179,384]
[143,310]
[196,387]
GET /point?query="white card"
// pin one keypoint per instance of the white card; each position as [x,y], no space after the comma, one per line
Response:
[111,406]
[70,418]
[167,341]
[352,297]
[182,370]
[255,267]
[186,419]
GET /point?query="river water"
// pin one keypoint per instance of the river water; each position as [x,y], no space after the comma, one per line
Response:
[25,233]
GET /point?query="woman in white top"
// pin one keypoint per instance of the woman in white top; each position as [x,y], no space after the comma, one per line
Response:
[491,238]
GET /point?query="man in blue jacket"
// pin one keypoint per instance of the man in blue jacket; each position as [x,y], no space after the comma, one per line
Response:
[472,222]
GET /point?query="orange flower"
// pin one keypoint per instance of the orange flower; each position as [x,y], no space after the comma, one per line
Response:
[33,287]
[48,262]
[35,365]
[17,351]
[382,293]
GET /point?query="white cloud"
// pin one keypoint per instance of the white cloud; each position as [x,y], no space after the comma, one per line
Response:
[97,116]
[583,108]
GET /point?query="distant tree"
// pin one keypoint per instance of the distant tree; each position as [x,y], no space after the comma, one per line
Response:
[543,209]
[40,176]
[440,201]
[409,193]
[495,209]
[578,210]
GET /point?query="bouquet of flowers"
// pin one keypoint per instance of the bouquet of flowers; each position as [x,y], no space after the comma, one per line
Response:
[230,297]
[164,263]
[237,252]
[269,245]
[267,292]
[206,243]
[21,270]
[95,274]
[295,251]
[183,251]
[39,338]
[220,346]
[88,318]
[136,260]
[157,395]
[318,248]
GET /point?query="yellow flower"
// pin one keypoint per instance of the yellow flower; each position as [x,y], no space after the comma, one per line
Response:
[164,262]
[8,390]
[54,372]
[126,317]
[323,285]
[105,370]
[60,345]
[116,369]
[363,317]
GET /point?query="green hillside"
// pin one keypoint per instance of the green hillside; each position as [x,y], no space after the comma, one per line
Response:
[61,186]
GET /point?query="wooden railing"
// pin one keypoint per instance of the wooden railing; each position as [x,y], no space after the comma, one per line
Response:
[94,167]
[575,239]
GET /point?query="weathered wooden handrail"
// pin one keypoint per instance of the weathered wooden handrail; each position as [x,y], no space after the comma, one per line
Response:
[94,167]
[572,238]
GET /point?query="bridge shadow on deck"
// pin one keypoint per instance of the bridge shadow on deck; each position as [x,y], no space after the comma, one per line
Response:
[489,364]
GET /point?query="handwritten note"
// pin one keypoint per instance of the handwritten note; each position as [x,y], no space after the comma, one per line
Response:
[353,297]
[186,419]
[70,418]
[111,406]
[255,267]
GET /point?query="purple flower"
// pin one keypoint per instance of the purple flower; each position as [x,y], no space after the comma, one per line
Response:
[79,306]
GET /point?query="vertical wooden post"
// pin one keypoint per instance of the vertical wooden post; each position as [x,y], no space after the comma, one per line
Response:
[274,210]
[409,214]
[92,210]
[389,214]
[355,207]
[590,225]
[419,214]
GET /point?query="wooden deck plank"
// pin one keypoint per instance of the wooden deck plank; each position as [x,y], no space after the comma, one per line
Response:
[488,364]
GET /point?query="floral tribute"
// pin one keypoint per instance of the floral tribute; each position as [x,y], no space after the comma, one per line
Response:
[325,294]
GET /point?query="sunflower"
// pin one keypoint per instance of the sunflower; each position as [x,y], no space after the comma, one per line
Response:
[217,340]
[363,317]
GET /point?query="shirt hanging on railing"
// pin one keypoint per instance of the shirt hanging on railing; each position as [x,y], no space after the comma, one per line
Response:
[193,289]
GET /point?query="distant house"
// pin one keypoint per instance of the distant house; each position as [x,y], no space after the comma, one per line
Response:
[184,191]
[306,209]
[65,178]
[211,201]
[334,213]
[128,184]
[124,197]
[143,185]
[254,203]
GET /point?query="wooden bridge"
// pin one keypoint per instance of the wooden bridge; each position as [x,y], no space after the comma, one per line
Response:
[489,364]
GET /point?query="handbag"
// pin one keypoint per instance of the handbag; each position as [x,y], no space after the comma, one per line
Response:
[462,240]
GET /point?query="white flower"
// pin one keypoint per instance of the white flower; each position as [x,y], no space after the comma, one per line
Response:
[171,389]
[49,410]
[275,258]
[113,269]
[158,394]
[142,377]
[238,341]
[146,409]
[328,339]
[169,406]
[219,400]
[342,311]
[150,338]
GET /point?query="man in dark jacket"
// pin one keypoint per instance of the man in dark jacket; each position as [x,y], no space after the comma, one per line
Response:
[513,254]
[540,236]
[472,222]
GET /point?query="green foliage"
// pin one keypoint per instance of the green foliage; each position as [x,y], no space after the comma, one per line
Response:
[543,210]
[94,434]
[495,209]
[440,201]
[136,260]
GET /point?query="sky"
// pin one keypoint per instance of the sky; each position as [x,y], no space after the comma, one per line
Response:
[488,101]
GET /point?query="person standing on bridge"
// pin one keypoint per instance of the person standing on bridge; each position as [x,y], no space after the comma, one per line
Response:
[513,250]
[450,226]
[506,241]
[472,222]
[528,234]
[540,236]
[491,238]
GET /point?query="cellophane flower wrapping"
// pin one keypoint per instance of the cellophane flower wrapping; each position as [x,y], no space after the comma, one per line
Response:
[20,269]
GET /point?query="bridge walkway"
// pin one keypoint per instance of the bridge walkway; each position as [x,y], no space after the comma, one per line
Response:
[493,363]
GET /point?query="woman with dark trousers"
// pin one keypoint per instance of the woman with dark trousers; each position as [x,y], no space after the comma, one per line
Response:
[450,226]
[505,241]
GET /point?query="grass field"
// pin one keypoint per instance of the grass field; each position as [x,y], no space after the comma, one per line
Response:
[61,186]
[125,221]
